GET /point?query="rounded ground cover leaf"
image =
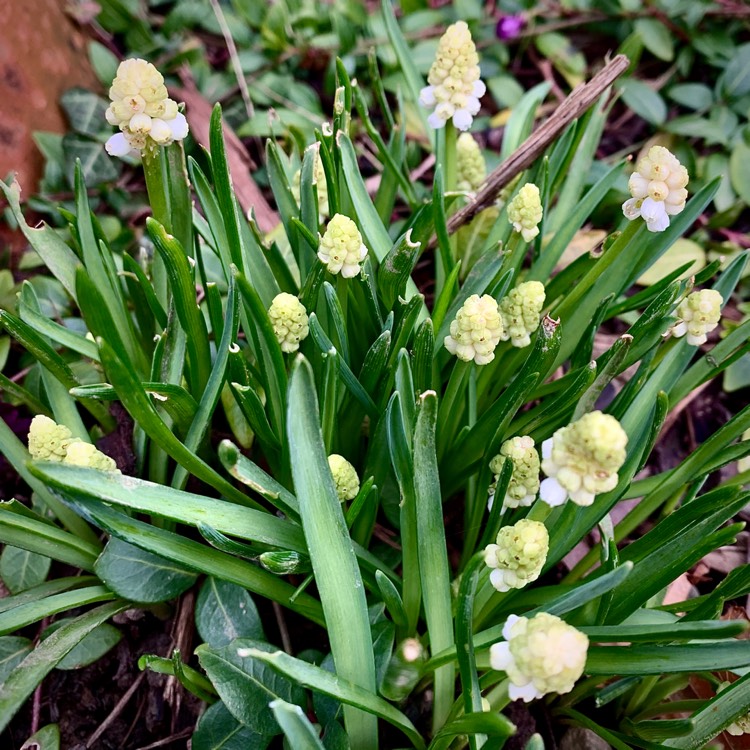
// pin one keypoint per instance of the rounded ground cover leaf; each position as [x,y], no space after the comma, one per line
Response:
[21,569]
[219,730]
[91,648]
[141,576]
[13,650]
[247,685]
[683,251]
[224,612]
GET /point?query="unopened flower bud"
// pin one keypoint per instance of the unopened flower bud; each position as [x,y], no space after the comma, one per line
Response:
[525,211]
[521,311]
[699,314]
[582,459]
[476,330]
[319,180]
[524,481]
[518,555]
[341,247]
[88,456]
[470,165]
[540,655]
[49,441]
[289,320]
[455,87]
[404,669]
[658,187]
[344,477]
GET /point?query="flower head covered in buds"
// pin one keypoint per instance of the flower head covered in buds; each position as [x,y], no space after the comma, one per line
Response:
[142,109]
[341,247]
[521,310]
[540,655]
[518,555]
[699,314]
[582,459]
[87,455]
[476,330]
[289,320]
[455,88]
[525,211]
[470,163]
[344,477]
[658,189]
[524,482]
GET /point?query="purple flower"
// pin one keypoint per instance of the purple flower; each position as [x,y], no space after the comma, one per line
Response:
[509,27]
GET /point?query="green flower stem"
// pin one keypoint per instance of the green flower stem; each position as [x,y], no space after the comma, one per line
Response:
[452,406]
[540,511]
[155,170]
[514,253]
[448,156]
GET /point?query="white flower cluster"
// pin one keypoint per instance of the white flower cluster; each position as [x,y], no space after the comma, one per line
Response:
[341,247]
[525,211]
[521,311]
[455,87]
[699,314]
[524,481]
[518,556]
[658,189]
[476,330]
[344,477]
[142,109]
[289,320]
[471,167]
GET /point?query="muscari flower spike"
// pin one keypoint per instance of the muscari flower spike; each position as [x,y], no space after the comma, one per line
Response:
[521,311]
[518,555]
[87,455]
[524,481]
[582,459]
[540,655]
[525,211]
[344,477]
[470,165]
[142,109]
[658,189]
[289,320]
[454,87]
[699,314]
[341,247]
[476,330]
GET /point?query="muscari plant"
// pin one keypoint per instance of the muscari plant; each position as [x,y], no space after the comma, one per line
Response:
[363,415]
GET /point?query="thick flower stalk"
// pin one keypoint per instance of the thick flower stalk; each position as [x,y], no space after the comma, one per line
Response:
[289,320]
[658,189]
[344,477]
[470,164]
[476,330]
[49,441]
[540,655]
[525,211]
[341,247]
[699,314]
[142,110]
[455,87]
[521,311]
[524,481]
[320,184]
[518,555]
[582,459]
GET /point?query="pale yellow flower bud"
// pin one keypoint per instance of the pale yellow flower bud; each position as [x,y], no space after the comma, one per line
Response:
[525,211]
[87,455]
[476,330]
[319,180]
[455,87]
[521,310]
[49,441]
[582,459]
[344,477]
[540,655]
[142,110]
[658,189]
[341,247]
[518,556]
[470,165]
[289,320]
[699,314]
[524,482]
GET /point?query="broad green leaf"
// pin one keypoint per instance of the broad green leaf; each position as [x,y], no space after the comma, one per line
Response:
[218,730]
[736,79]
[225,611]
[91,648]
[13,650]
[141,576]
[97,166]
[296,726]
[682,252]
[21,569]
[738,170]
[104,62]
[691,95]
[47,738]
[656,37]
[644,101]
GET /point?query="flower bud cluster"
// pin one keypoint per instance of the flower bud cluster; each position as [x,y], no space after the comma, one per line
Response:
[521,311]
[518,555]
[525,211]
[344,477]
[455,88]
[289,320]
[658,189]
[341,247]
[49,441]
[142,110]
[476,330]
[470,164]
[540,655]
[524,481]
[699,314]
[582,459]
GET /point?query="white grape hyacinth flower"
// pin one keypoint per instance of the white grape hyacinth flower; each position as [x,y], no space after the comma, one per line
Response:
[699,313]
